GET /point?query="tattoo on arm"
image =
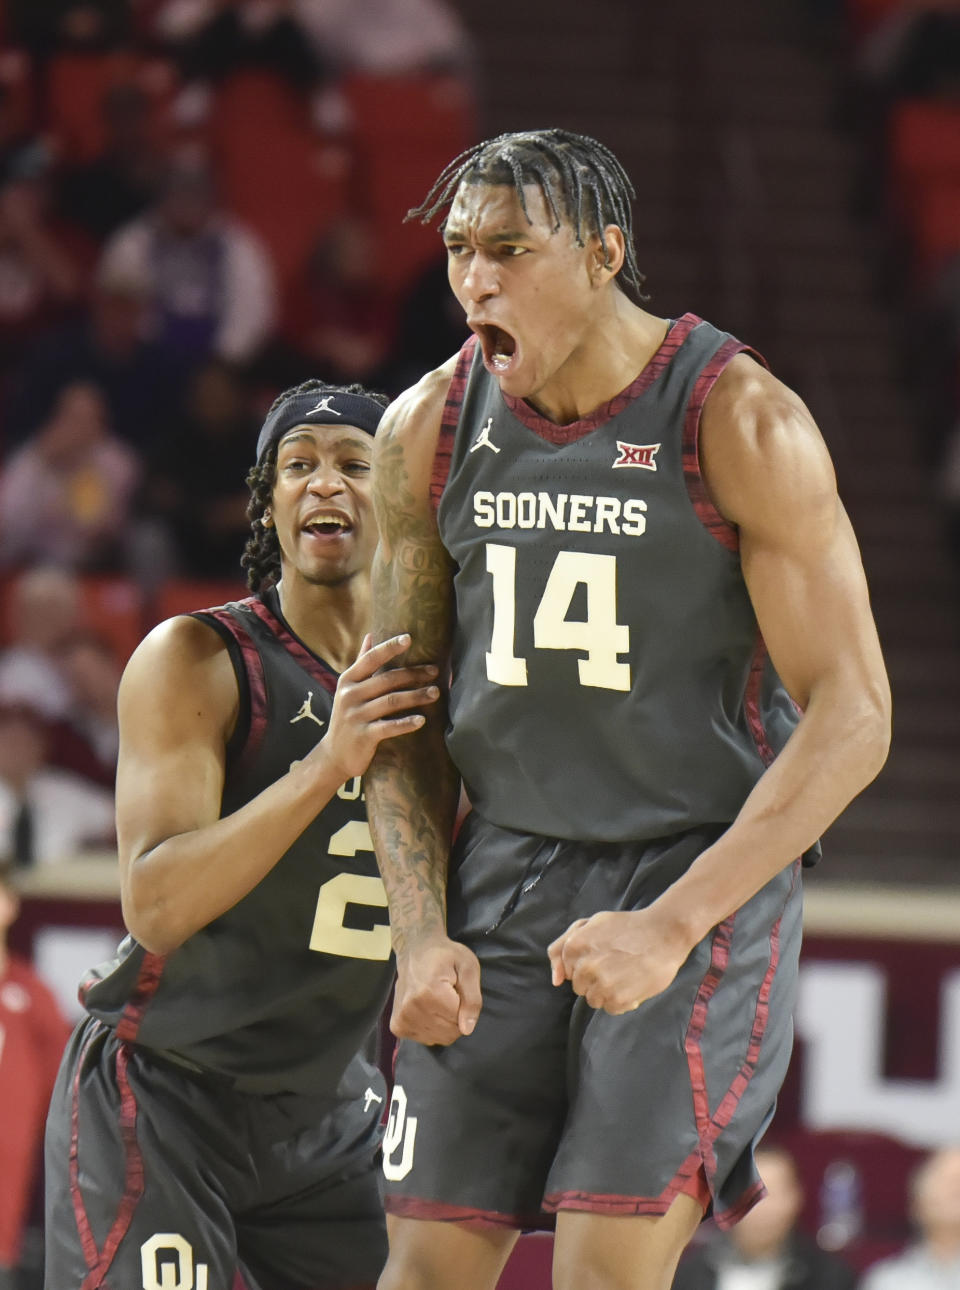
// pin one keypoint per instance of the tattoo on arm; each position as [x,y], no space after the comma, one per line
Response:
[412,787]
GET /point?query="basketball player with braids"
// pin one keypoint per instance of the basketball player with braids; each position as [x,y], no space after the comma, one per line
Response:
[623,536]
[219,1107]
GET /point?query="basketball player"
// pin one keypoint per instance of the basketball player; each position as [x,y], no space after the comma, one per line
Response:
[220,1105]
[624,534]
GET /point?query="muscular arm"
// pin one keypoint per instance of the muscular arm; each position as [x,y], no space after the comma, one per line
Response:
[411,786]
[181,865]
[768,472]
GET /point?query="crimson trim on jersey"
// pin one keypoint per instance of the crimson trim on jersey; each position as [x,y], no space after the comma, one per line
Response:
[318,670]
[438,1212]
[99,1261]
[560,436]
[752,704]
[253,665]
[443,453]
[148,981]
[725,533]
[709,1127]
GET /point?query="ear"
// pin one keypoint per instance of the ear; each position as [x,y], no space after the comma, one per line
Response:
[266,519]
[607,266]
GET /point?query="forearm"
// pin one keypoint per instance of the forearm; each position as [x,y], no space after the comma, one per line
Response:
[836,750]
[412,792]
[175,888]
[412,787]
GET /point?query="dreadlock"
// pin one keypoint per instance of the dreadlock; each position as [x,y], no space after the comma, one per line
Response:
[581,180]
[261,555]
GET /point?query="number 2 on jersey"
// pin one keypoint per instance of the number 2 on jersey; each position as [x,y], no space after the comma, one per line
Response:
[599,635]
[329,935]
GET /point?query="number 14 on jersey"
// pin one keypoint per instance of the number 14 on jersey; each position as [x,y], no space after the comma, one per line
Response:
[599,636]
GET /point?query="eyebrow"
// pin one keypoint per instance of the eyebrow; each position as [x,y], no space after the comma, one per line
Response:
[293,436]
[346,441]
[499,235]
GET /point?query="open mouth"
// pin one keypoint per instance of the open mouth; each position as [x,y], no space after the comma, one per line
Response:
[327,526]
[499,347]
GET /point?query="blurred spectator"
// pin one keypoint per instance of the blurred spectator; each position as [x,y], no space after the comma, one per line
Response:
[47,815]
[213,39]
[210,281]
[384,39]
[933,1263]
[313,43]
[44,265]
[42,613]
[388,37]
[195,485]
[109,347]
[765,1250]
[54,665]
[65,496]
[88,739]
[338,319]
[116,186]
[33,1032]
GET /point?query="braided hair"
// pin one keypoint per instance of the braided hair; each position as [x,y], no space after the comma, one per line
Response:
[581,180]
[261,555]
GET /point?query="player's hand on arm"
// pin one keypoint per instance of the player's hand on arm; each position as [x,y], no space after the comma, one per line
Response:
[181,864]
[412,789]
[371,705]
[769,473]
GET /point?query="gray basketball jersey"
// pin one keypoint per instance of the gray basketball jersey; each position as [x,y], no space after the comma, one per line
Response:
[283,990]
[609,678]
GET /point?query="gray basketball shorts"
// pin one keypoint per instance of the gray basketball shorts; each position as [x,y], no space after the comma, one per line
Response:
[550,1105]
[157,1178]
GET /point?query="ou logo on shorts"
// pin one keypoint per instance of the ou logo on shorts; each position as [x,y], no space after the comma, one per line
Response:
[167,1262]
[401,1134]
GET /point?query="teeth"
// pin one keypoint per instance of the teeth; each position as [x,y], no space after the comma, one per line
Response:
[501,361]
[320,520]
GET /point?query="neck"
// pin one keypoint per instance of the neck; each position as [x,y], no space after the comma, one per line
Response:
[944,1245]
[330,620]
[616,349]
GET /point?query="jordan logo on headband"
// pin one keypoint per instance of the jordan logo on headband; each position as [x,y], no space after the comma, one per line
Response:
[324,406]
